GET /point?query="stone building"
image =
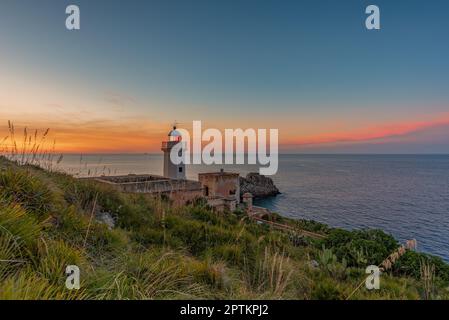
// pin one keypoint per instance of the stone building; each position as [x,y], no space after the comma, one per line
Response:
[220,189]
[221,184]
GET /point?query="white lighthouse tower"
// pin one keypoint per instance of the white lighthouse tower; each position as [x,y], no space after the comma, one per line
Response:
[171,170]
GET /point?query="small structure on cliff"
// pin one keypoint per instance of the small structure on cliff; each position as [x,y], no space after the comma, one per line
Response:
[222,189]
[223,184]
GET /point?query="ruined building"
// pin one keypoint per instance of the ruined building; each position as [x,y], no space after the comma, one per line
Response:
[220,189]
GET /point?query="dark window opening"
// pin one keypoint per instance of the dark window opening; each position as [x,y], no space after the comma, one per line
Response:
[206,191]
[180,169]
[232,192]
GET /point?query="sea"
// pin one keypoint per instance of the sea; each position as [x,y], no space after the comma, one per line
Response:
[404,195]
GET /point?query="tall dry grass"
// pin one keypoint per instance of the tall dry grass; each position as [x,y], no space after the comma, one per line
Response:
[31,148]
[427,271]
[271,274]
[36,148]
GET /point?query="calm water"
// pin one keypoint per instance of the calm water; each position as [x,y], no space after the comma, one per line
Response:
[405,195]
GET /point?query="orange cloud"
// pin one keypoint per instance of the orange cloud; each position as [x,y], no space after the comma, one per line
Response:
[383,131]
[99,136]
[140,135]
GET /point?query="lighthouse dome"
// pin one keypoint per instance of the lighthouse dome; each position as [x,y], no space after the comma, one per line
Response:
[174,135]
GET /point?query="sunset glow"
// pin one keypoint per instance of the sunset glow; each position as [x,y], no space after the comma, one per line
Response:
[100,94]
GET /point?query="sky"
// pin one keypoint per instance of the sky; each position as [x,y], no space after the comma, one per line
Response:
[308,68]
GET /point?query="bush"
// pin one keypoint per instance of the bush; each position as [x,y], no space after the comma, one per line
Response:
[16,222]
[410,264]
[325,289]
[147,275]
[54,257]
[27,285]
[199,236]
[77,230]
[212,274]
[149,236]
[330,264]
[9,256]
[231,253]
[84,193]
[312,226]
[361,247]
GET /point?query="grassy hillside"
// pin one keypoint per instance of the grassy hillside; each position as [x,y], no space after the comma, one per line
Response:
[155,251]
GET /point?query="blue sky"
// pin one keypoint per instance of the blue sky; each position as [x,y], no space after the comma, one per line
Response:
[308,67]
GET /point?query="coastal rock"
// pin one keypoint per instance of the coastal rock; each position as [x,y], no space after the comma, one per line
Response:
[258,185]
[106,218]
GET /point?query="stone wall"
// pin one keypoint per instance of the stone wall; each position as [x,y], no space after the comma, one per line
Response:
[221,184]
[148,184]
[179,191]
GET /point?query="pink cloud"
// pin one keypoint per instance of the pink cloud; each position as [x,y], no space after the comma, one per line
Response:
[379,132]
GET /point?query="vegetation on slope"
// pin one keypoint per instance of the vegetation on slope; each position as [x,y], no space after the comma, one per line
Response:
[156,251]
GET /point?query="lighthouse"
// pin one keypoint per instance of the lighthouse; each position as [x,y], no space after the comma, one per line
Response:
[171,170]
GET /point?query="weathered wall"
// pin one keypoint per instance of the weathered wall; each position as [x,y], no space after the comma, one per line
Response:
[183,197]
[221,204]
[148,184]
[179,191]
[222,184]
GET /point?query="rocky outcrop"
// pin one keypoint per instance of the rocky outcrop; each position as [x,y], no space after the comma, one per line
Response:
[258,185]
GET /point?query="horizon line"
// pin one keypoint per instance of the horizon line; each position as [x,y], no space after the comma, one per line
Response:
[279,153]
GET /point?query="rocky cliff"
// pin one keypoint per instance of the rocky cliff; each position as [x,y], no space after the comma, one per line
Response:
[258,185]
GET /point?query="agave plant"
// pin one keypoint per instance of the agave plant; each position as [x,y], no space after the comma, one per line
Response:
[329,262]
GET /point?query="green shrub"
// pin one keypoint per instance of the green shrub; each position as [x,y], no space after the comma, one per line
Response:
[198,236]
[312,226]
[84,193]
[329,263]
[361,247]
[19,186]
[78,230]
[231,253]
[27,285]
[149,236]
[206,215]
[325,289]
[54,257]
[10,258]
[147,275]
[23,227]
[210,273]
[409,264]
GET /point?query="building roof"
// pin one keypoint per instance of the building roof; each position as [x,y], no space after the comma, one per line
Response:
[174,133]
[219,173]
